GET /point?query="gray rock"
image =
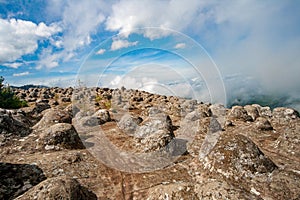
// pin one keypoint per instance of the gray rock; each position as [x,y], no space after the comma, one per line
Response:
[51,117]
[62,135]
[285,113]
[103,116]
[155,132]
[13,124]
[263,124]
[263,111]
[252,111]
[239,113]
[18,178]
[59,188]
[238,157]
[129,124]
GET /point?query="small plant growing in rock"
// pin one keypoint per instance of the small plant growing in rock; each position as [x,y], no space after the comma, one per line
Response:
[107,104]
[98,98]
[7,97]
[56,97]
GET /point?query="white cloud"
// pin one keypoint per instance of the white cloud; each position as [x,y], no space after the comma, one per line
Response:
[100,52]
[143,83]
[152,85]
[120,43]
[180,46]
[14,65]
[21,74]
[80,19]
[48,59]
[20,37]
[128,15]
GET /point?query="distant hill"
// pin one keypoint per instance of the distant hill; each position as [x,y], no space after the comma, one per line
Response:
[26,87]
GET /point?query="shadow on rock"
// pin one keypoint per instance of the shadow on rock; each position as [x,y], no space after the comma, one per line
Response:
[15,179]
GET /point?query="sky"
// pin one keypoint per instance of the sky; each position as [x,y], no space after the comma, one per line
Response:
[227,51]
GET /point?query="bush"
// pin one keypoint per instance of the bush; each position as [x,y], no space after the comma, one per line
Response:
[8,99]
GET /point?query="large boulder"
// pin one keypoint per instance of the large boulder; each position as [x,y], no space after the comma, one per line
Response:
[263,111]
[61,136]
[237,157]
[51,117]
[252,111]
[13,124]
[239,113]
[59,188]
[155,132]
[103,116]
[129,124]
[91,119]
[284,115]
[263,124]
[18,178]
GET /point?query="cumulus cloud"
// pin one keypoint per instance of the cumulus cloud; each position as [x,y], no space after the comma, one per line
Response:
[48,59]
[20,37]
[21,74]
[120,43]
[14,65]
[128,15]
[180,46]
[143,83]
[80,20]
[100,52]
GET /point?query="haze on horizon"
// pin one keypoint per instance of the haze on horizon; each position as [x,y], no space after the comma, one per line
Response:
[254,44]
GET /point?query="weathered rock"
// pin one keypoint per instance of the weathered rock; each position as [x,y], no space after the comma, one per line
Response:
[59,188]
[90,121]
[237,157]
[72,110]
[284,114]
[39,107]
[18,178]
[218,110]
[239,113]
[42,101]
[103,116]
[288,142]
[189,125]
[263,111]
[155,132]
[172,191]
[51,117]
[252,111]
[263,124]
[188,106]
[129,124]
[94,119]
[61,135]
[10,124]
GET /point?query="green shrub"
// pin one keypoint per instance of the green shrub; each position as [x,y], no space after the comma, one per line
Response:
[8,99]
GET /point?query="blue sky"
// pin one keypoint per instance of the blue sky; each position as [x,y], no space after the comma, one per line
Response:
[51,42]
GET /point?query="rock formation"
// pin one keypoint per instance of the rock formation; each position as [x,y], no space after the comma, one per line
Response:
[101,143]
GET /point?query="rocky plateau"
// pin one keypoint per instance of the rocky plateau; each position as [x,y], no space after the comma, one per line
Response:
[101,143]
